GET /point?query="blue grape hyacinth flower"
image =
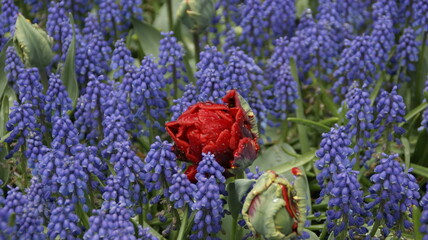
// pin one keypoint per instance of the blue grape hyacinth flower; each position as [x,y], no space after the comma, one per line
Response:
[391,110]
[160,165]
[394,192]
[208,205]
[424,216]
[57,100]
[360,123]
[181,190]
[121,59]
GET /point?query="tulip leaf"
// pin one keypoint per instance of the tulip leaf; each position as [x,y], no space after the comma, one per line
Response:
[68,76]
[33,44]
[312,235]
[148,37]
[237,191]
[416,215]
[299,161]
[3,77]
[309,123]
[274,156]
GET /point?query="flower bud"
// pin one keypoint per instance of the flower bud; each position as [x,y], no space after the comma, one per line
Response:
[196,14]
[274,208]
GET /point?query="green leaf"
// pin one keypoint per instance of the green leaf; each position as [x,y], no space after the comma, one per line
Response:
[236,191]
[303,136]
[312,235]
[148,37]
[68,76]
[406,146]
[309,123]
[274,156]
[414,112]
[330,121]
[161,20]
[3,78]
[416,215]
[83,217]
[301,6]
[376,90]
[421,151]
[9,97]
[327,100]
[419,170]
[418,79]
[32,43]
[300,161]
[4,167]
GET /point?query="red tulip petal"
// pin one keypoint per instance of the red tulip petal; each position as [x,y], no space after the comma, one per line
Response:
[220,149]
[191,173]
[246,153]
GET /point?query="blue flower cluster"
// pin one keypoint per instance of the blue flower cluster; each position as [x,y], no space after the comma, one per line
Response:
[57,100]
[356,63]
[210,75]
[121,59]
[424,123]
[13,65]
[208,205]
[8,15]
[339,182]
[112,18]
[89,112]
[63,222]
[31,90]
[92,57]
[424,216]
[407,50]
[181,190]
[147,100]
[253,24]
[160,165]
[394,192]
[112,221]
[346,206]
[390,110]
[181,104]
[171,62]
[360,124]
[333,154]
[58,27]
[382,41]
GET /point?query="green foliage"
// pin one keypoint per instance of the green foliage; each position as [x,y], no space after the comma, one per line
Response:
[33,45]
[68,75]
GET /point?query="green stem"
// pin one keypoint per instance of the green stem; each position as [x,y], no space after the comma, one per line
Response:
[324,231]
[23,165]
[375,227]
[236,231]
[197,48]
[170,17]
[184,222]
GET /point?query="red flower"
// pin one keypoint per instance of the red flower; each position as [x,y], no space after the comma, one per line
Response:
[225,130]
